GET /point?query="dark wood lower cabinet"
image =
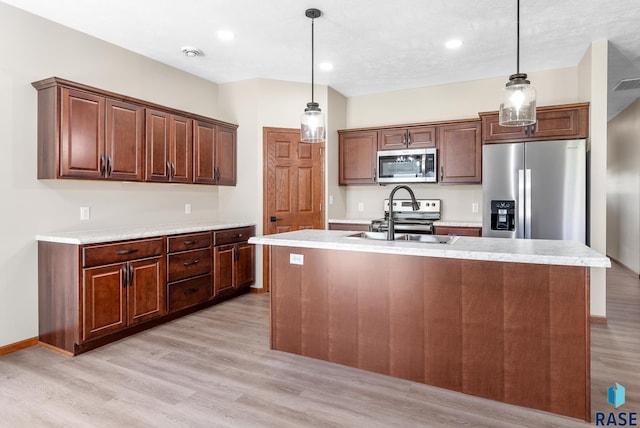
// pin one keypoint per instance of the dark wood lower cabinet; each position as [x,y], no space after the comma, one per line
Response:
[513,332]
[235,259]
[90,295]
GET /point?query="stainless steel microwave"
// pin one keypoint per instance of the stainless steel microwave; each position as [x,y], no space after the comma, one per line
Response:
[407,166]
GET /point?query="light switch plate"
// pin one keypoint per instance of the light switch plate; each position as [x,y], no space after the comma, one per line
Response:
[474,207]
[296,259]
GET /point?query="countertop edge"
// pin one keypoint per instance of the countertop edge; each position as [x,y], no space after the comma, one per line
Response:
[420,249]
[133,232]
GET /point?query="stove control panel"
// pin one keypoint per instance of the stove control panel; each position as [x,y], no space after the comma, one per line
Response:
[403,205]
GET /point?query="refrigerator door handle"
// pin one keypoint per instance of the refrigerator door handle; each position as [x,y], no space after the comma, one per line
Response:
[527,203]
[520,231]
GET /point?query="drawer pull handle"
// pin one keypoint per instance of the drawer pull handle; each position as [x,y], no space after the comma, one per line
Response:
[191,291]
[189,242]
[239,235]
[195,262]
[123,252]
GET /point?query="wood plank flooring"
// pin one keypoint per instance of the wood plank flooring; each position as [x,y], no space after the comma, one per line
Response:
[215,369]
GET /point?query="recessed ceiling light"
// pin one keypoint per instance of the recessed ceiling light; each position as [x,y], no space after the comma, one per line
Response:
[453,44]
[191,51]
[326,66]
[226,35]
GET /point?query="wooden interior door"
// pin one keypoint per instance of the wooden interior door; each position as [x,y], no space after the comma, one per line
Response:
[293,185]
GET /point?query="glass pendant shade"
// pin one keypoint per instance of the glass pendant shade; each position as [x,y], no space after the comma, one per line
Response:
[518,105]
[312,124]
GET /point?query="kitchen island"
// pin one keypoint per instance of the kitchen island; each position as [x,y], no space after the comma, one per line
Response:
[501,319]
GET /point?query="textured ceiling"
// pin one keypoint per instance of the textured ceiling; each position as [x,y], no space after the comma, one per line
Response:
[375,45]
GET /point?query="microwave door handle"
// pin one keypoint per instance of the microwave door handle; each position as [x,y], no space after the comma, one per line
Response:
[424,166]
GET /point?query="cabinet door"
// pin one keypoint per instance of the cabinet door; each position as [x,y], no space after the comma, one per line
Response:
[421,136]
[460,153]
[104,303]
[124,141]
[146,291]
[567,121]
[225,156]
[81,134]
[157,143]
[357,157]
[223,268]
[392,139]
[244,265]
[181,146]
[204,140]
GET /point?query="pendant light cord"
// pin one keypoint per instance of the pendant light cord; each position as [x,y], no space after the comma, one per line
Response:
[517,37]
[312,45]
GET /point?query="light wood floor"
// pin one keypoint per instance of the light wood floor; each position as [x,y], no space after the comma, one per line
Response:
[214,368]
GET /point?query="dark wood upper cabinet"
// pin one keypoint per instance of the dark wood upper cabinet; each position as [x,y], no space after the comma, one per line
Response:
[214,154]
[415,137]
[88,133]
[225,155]
[169,143]
[100,137]
[460,153]
[567,121]
[124,141]
[357,157]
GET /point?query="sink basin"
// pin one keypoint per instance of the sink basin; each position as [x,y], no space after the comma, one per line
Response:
[382,236]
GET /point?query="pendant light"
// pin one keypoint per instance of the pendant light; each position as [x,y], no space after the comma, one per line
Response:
[518,106]
[312,123]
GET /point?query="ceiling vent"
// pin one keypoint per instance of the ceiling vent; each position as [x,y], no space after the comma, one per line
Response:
[626,84]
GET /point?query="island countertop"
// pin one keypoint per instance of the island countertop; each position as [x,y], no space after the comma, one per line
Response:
[535,251]
[81,237]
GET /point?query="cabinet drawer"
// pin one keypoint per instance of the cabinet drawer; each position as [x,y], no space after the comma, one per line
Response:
[188,242]
[189,292]
[188,263]
[230,236]
[121,252]
[458,230]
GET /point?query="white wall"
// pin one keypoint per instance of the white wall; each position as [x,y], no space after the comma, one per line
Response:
[623,187]
[592,87]
[32,49]
[256,104]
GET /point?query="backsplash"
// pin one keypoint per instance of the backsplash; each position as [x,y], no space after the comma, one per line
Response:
[456,200]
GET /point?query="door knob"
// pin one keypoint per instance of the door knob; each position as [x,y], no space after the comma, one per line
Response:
[273,219]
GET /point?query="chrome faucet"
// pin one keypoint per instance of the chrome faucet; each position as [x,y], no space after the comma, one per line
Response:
[391,232]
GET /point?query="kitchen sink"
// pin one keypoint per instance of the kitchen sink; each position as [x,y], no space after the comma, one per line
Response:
[414,237]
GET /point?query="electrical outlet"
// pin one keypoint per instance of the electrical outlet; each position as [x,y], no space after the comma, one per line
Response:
[330,199]
[360,206]
[296,259]
[187,208]
[85,213]
[474,207]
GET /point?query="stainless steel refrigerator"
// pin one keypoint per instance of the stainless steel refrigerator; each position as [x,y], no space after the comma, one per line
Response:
[535,190]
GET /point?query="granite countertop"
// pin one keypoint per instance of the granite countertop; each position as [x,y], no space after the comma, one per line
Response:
[81,237]
[538,251]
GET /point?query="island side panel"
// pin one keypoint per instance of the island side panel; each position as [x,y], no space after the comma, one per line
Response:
[373,309]
[342,301]
[286,314]
[483,329]
[570,342]
[443,323]
[406,318]
[527,355]
[314,317]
